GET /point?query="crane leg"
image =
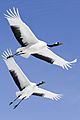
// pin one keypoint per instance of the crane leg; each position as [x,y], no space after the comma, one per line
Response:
[14,100]
[19,102]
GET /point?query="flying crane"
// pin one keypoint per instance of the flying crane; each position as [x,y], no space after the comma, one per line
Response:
[26,87]
[30,44]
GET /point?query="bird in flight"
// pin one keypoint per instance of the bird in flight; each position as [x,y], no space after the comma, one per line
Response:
[30,44]
[26,87]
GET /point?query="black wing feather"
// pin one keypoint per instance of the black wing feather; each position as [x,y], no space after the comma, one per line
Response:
[49,60]
[16,79]
[38,94]
[17,35]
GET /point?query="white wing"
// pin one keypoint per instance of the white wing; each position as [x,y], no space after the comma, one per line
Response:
[19,77]
[21,31]
[47,55]
[46,94]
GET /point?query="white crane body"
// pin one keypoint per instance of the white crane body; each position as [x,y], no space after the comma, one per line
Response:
[30,44]
[26,87]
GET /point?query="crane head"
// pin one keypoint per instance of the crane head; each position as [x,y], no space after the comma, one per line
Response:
[40,83]
[55,44]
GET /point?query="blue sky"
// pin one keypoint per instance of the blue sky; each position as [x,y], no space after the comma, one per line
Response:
[51,21]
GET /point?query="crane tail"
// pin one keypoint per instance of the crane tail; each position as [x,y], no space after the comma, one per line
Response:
[18,93]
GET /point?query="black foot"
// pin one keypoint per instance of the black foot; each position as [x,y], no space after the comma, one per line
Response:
[10,56]
[10,103]
[15,106]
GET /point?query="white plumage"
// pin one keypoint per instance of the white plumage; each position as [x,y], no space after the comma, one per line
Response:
[30,44]
[26,87]
[14,20]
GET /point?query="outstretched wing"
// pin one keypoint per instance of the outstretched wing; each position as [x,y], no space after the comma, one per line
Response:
[50,57]
[21,31]
[19,77]
[47,94]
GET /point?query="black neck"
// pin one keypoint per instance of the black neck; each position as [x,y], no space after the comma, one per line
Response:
[40,83]
[55,44]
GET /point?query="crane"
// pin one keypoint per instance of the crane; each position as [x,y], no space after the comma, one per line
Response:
[26,87]
[30,44]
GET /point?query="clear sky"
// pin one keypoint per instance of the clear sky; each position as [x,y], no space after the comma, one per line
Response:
[51,21]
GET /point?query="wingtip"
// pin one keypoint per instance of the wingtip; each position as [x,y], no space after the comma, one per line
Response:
[74,61]
[67,65]
[57,97]
[6,54]
[12,13]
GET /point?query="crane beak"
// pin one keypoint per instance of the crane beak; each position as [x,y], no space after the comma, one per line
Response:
[59,43]
[40,83]
[55,44]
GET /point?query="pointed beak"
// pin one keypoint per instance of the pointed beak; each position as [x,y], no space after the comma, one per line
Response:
[40,83]
[60,43]
[55,44]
